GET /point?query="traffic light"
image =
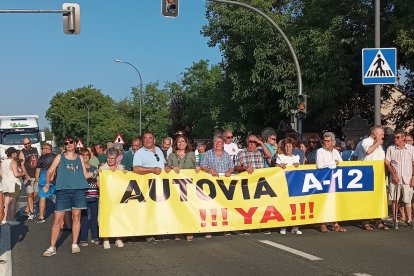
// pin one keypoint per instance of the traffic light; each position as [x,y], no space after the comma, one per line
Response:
[71,19]
[302,106]
[169,8]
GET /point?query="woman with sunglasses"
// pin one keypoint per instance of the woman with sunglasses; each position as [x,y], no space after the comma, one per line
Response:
[182,158]
[111,156]
[70,193]
[92,200]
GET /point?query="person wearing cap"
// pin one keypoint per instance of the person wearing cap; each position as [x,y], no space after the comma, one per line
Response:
[10,184]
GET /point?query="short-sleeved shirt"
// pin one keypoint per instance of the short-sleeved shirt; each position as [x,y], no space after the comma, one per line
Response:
[148,159]
[402,161]
[377,154]
[289,160]
[272,150]
[250,158]
[128,160]
[220,164]
[301,154]
[187,162]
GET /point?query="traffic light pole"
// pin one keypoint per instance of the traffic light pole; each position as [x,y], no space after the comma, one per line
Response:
[292,51]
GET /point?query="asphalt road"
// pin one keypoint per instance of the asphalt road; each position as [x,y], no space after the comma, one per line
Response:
[355,252]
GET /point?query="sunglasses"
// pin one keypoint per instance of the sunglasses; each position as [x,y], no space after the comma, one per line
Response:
[327,140]
[274,139]
[312,142]
[26,144]
[157,157]
[229,137]
[398,137]
[251,141]
[70,142]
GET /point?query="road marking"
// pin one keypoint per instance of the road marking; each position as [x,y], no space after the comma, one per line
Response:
[292,250]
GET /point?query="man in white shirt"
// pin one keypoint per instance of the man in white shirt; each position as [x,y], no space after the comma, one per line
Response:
[372,145]
[229,146]
[328,156]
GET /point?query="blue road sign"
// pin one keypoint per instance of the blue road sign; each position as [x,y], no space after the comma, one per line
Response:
[379,66]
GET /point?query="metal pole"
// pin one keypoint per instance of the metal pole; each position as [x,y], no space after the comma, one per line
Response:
[377,91]
[140,93]
[36,11]
[292,51]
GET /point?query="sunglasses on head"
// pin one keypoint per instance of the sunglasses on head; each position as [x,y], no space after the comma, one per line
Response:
[157,157]
[70,142]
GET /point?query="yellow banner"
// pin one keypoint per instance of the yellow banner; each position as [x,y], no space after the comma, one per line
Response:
[190,202]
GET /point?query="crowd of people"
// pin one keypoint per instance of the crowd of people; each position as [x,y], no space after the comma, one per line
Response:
[71,178]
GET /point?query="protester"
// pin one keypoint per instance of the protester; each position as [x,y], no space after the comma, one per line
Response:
[149,159]
[313,145]
[166,146]
[29,156]
[217,162]
[287,158]
[89,216]
[409,139]
[347,153]
[44,163]
[111,156]
[93,161]
[296,144]
[399,162]
[271,143]
[10,184]
[251,158]
[229,146]
[70,193]
[101,153]
[1,201]
[120,148]
[371,149]
[329,157]
[128,159]
[182,158]
[200,151]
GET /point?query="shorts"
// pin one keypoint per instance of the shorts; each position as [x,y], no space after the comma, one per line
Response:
[405,192]
[66,200]
[42,194]
[16,193]
[31,187]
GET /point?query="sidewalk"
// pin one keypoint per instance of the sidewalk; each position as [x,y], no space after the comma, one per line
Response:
[5,250]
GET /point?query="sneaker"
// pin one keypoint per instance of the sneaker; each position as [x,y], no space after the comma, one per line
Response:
[267,232]
[151,240]
[283,231]
[208,236]
[410,224]
[106,245]
[31,216]
[119,243]
[396,225]
[49,252]
[84,243]
[13,222]
[295,230]
[40,220]
[95,241]
[75,248]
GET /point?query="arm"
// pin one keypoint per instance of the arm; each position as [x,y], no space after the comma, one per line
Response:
[370,149]
[394,176]
[15,169]
[21,157]
[37,174]
[144,170]
[412,175]
[85,172]
[51,171]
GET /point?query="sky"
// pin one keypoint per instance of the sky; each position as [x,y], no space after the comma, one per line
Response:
[38,59]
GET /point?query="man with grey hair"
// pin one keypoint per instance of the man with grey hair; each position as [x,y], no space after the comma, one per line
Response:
[217,161]
[372,145]
[229,146]
[328,156]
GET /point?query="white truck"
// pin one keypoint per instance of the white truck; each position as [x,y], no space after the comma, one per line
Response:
[14,128]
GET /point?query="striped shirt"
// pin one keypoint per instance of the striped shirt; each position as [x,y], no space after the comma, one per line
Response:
[220,164]
[93,191]
[401,159]
[250,158]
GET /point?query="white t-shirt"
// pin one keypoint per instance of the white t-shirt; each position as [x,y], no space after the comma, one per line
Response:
[326,158]
[377,154]
[288,160]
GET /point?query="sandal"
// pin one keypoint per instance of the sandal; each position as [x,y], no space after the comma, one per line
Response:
[382,226]
[338,228]
[189,238]
[367,227]
[323,228]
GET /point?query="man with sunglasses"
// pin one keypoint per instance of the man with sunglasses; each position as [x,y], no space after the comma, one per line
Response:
[29,157]
[149,159]
[399,161]
[313,146]
[229,146]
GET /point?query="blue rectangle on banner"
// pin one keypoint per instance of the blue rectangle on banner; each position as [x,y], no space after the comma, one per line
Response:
[341,179]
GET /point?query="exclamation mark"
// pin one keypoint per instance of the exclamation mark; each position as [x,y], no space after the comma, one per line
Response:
[214,217]
[293,208]
[311,206]
[224,215]
[203,217]
[302,210]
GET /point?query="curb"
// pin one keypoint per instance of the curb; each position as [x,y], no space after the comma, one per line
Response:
[5,250]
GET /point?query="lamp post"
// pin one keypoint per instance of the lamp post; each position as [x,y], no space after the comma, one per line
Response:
[87,107]
[140,91]
[63,120]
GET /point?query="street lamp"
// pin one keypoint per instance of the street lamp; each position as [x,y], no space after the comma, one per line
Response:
[87,107]
[63,120]
[140,90]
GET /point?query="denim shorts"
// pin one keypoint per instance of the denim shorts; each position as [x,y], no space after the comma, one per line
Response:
[66,200]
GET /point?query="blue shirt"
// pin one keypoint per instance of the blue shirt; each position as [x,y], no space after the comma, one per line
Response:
[301,154]
[148,159]
[70,174]
[220,164]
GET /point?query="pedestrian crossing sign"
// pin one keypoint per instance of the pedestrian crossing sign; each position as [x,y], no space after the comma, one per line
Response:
[379,66]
